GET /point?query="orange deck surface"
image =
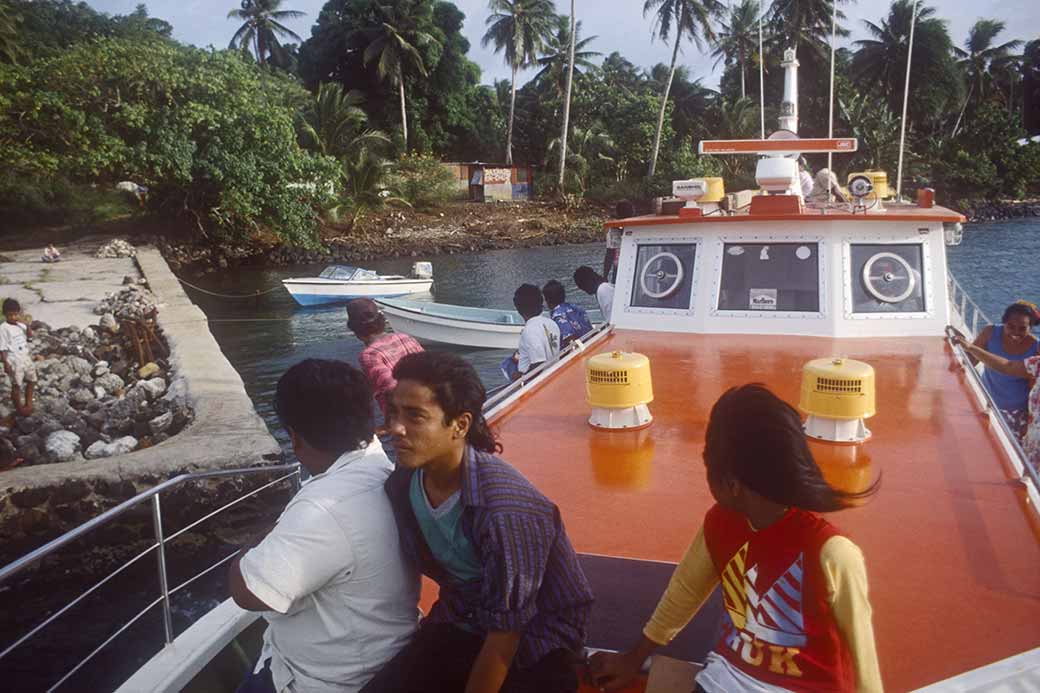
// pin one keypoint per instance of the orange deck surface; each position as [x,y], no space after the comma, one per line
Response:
[951,546]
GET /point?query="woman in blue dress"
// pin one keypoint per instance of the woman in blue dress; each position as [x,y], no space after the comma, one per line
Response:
[1014,341]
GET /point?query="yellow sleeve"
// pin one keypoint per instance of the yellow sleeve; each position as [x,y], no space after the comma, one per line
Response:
[846,576]
[691,584]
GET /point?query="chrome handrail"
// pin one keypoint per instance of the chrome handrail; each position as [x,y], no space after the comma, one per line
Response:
[577,346]
[1009,438]
[153,494]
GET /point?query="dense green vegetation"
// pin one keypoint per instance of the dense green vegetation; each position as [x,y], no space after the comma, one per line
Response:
[273,137]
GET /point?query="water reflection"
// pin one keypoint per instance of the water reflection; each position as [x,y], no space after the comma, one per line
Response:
[622,459]
[847,468]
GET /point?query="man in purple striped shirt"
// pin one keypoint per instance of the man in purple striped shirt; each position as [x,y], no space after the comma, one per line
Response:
[513,600]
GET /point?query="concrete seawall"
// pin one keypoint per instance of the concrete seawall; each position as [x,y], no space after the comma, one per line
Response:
[40,502]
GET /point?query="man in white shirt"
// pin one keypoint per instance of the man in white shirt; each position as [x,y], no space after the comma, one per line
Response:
[330,578]
[589,281]
[540,338]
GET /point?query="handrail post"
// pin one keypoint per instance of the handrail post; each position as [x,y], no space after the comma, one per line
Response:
[161,557]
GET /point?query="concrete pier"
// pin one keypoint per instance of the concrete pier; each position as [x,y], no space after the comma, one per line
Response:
[40,502]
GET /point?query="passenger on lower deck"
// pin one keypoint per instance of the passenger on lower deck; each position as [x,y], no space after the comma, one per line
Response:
[797,617]
[513,603]
[572,320]
[338,597]
[1012,340]
[589,281]
[540,338]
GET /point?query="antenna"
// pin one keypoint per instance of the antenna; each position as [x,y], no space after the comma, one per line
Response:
[830,117]
[761,74]
[906,97]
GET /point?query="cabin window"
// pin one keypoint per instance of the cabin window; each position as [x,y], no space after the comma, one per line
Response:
[887,278]
[770,277]
[664,276]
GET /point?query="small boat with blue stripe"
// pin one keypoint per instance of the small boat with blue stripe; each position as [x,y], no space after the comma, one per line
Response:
[341,283]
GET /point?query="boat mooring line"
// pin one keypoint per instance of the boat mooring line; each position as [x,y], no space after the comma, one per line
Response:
[214,293]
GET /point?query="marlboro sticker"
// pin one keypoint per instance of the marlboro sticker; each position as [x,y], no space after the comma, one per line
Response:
[763,299]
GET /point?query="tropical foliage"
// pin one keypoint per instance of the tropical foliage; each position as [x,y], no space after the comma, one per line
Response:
[273,137]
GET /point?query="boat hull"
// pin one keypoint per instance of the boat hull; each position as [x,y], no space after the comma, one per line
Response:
[426,326]
[313,292]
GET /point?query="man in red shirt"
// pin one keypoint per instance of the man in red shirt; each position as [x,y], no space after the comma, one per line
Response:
[382,349]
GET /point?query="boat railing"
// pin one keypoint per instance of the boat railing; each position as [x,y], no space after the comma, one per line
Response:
[968,311]
[504,396]
[288,473]
[971,317]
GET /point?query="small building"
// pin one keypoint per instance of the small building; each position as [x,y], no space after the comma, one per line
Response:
[482,182]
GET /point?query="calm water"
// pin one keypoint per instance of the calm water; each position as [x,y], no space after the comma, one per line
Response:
[264,337]
[997,263]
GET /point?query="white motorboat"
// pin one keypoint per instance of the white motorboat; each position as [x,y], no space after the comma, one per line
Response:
[486,328]
[339,283]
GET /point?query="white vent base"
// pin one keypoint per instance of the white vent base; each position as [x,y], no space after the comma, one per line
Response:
[620,419]
[836,430]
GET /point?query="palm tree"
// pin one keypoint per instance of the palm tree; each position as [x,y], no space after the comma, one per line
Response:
[734,119]
[805,23]
[881,60]
[567,99]
[555,60]
[393,43]
[9,45]
[738,39]
[688,18]
[333,123]
[980,59]
[590,144]
[518,29]
[262,26]
[691,98]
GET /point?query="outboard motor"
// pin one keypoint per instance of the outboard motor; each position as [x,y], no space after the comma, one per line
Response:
[422,270]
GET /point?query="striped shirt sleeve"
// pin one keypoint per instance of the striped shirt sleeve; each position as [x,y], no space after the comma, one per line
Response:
[515,551]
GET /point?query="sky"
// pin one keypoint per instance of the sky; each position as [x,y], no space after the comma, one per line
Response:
[618,24]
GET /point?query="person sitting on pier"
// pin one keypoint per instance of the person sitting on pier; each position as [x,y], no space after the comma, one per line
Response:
[540,338]
[797,617]
[514,602]
[589,281]
[572,320]
[51,254]
[14,353]
[382,349]
[338,597]
[1013,340]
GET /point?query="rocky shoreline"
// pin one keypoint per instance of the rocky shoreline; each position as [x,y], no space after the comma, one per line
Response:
[985,210]
[94,398]
[459,228]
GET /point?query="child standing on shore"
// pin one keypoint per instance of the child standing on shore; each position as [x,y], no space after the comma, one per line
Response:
[14,353]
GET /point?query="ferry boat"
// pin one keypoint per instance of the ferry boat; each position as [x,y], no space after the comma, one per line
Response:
[340,283]
[841,303]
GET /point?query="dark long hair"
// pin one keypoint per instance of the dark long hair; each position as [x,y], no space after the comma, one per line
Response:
[1021,309]
[457,389]
[757,438]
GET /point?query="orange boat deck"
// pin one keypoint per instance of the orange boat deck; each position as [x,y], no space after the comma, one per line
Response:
[951,546]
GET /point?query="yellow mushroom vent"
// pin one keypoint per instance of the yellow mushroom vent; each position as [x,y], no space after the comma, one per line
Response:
[838,396]
[618,387]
